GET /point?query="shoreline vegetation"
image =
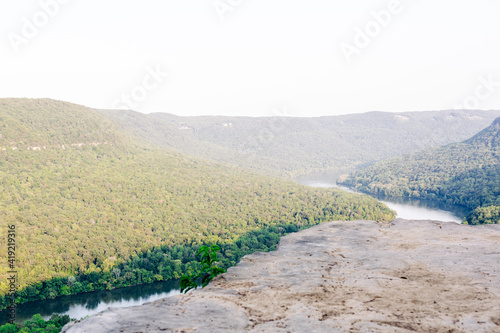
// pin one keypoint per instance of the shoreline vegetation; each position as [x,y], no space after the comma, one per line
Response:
[162,263]
[37,325]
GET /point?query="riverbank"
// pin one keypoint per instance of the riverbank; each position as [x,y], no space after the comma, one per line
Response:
[341,276]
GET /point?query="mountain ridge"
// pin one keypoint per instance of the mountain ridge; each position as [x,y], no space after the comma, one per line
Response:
[291,146]
[492,133]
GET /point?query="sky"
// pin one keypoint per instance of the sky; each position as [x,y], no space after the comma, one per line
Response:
[253,57]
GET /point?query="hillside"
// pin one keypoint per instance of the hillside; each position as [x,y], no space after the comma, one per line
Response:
[38,123]
[466,174]
[290,147]
[93,210]
[363,276]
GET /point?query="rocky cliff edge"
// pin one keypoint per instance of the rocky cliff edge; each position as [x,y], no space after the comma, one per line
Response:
[360,276]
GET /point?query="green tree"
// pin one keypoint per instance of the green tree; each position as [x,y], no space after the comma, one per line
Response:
[209,269]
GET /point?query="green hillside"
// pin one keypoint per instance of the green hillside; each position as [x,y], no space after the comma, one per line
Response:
[290,147]
[26,123]
[466,174]
[93,210]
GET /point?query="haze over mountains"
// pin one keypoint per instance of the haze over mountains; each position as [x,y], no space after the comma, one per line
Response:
[295,146]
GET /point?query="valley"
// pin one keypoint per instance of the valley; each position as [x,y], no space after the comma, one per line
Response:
[95,217]
[249,166]
[105,199]
[465,173]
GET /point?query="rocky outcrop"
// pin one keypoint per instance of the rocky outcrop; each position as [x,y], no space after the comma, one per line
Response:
[361,276]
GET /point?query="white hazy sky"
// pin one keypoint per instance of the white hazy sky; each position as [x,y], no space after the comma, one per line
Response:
[253,57]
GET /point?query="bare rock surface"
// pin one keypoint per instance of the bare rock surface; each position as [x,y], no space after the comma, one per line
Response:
[360,276]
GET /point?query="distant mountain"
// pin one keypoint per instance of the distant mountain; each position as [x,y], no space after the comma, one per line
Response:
[466,174]
[489,137]
[92,209]
[290,146]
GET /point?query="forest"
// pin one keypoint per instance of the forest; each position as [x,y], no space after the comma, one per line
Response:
[93,209]
[465,174]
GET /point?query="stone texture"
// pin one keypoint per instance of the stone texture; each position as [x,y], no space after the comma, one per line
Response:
[361,276]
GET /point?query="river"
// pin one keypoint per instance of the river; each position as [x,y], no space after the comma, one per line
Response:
[412,209]
[82,305]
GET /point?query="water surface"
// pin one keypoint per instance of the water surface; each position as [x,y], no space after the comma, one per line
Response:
[82,305]
[406,208]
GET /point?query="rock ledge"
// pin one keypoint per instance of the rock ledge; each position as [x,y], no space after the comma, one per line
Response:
[360,276]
